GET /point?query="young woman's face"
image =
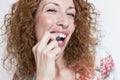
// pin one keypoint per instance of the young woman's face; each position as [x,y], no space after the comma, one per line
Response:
[56,17]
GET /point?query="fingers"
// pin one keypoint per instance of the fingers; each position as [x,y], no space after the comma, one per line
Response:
[44,41]
[50,46]
[43,47]
[47,36]
[55,52]
[45,53]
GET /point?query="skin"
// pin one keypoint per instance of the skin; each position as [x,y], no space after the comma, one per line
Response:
[53,16]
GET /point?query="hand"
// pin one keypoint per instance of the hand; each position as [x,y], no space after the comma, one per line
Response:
[45,54]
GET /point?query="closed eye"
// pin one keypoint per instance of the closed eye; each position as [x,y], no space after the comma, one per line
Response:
[51,10]
[71,15]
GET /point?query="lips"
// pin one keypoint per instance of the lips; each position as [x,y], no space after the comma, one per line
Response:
[61,38]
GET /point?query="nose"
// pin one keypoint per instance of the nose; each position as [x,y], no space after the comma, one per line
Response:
[63,21]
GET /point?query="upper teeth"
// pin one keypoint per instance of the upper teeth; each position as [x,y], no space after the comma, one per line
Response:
[62,35]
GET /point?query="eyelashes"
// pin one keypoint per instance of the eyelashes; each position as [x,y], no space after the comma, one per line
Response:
[51,10]
[71,15]
[55,11]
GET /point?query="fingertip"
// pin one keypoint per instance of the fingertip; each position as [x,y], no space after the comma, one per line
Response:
[53,36]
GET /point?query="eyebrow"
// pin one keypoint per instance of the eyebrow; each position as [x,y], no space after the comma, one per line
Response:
[71,8]
[56,5]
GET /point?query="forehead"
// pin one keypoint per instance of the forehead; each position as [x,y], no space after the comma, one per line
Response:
[65,3]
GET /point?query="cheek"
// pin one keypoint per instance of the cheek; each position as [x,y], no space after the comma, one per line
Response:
[72,28]
[43,24]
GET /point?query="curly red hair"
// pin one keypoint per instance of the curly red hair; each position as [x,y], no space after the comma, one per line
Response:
[21,37]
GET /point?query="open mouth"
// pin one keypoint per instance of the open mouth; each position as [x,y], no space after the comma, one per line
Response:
[61,38]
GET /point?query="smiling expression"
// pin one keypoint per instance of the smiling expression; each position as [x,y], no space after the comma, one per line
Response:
[56,17]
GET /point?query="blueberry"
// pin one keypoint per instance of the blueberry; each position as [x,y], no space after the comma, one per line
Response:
[59,38]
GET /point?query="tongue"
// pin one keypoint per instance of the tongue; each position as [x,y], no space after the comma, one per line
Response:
[61,43]
[60,40]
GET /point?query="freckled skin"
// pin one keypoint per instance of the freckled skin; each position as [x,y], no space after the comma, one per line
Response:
[53,16]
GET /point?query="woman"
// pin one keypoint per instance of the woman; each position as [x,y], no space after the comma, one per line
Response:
[53,40]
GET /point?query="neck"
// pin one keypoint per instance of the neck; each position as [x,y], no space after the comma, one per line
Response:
[60,65]
[62,70]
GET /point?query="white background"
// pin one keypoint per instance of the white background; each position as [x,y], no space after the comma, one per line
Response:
[110,25]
